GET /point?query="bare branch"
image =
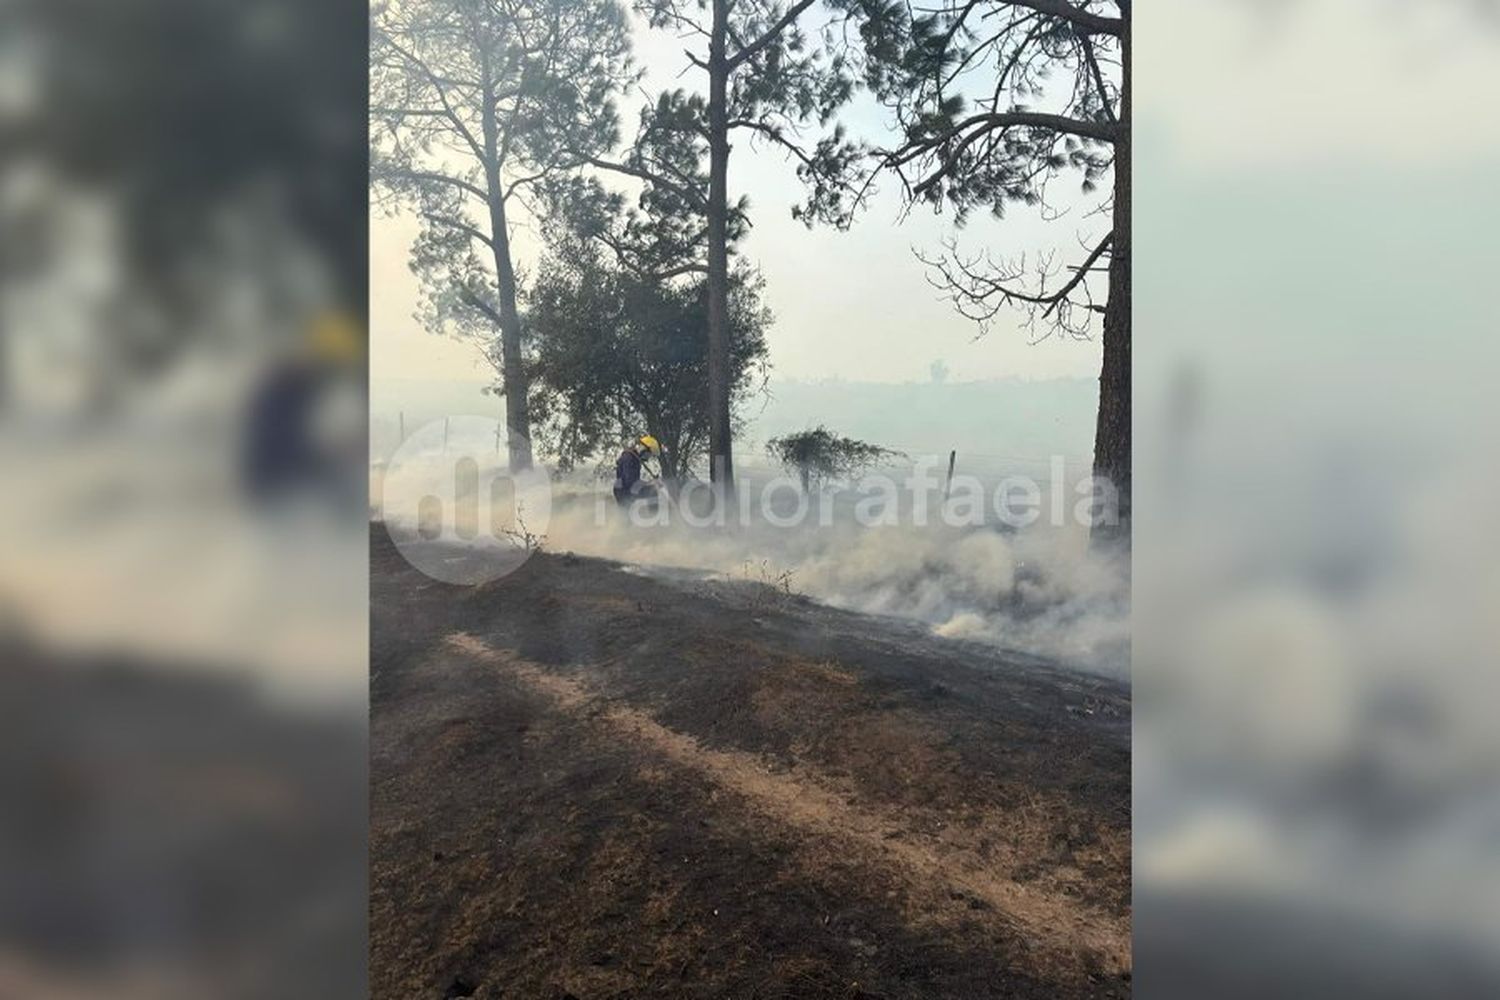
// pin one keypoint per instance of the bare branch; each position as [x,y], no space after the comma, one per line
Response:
[980,288]
[1093,61]
[1082,273]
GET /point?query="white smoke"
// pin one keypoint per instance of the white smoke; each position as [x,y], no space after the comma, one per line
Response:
[1037,589]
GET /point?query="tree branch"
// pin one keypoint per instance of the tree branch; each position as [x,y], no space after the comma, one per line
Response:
[1082,272]
[1082,127]
[979,288]
[1083,20]
[1103,131]
[438,84]
[1093,61]
[408,112]
[427,175]
[682,191]
[673,272]
[626,255]
[489,311]
[459,224]
[775,135]
[749,51]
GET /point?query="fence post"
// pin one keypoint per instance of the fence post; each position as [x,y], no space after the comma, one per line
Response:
[948,483]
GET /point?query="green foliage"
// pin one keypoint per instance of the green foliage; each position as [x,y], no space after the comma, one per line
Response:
[663,233]
[617,354]
[819,454]
[782,80]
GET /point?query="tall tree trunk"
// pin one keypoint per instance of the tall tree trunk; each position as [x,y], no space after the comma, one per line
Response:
[517,414]
[1112,434]
[720,442]
[513,372]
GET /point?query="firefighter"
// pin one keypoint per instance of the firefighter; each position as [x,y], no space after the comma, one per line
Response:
[628,468]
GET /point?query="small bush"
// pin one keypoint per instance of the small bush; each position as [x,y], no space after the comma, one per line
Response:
[818,454]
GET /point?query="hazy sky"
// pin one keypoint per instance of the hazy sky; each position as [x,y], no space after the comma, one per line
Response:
[855,304]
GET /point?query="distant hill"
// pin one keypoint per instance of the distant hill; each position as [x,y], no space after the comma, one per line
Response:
[1001,419]
[1010,418]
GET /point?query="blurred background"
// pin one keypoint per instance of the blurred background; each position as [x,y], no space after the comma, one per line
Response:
[1316,577]
[183,429]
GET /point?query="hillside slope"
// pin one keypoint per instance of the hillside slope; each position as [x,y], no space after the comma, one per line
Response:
[590,783]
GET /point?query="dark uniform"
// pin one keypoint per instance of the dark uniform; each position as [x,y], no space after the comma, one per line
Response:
[627,476]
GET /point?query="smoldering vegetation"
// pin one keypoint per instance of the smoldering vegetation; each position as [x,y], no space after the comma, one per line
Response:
[1036,589]
[886,544]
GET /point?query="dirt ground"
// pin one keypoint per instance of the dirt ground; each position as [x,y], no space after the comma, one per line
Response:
[587,782]
[167,832]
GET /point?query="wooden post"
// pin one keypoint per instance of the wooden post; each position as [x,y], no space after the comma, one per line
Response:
[445,435]
[948,484]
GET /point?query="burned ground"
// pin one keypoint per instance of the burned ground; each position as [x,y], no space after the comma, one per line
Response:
[593,783]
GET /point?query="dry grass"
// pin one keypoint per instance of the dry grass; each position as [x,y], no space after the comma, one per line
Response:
[947,880]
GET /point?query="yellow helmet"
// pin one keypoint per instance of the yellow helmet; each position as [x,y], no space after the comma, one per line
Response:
[333,337]
[650,444]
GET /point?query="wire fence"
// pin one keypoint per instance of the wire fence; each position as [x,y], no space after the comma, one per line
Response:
[387,435]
